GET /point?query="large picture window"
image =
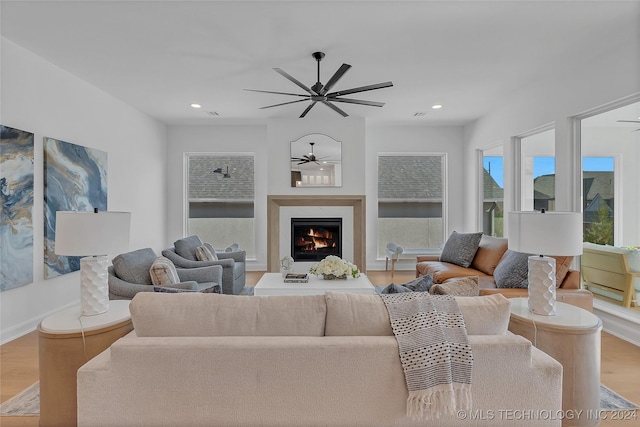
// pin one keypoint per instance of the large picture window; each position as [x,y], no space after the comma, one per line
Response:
[411,204]
[220,207]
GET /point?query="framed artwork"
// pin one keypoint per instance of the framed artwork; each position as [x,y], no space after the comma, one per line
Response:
[316,161]
[16,220]
[75,179]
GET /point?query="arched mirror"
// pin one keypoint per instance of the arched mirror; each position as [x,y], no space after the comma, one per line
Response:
[316,161]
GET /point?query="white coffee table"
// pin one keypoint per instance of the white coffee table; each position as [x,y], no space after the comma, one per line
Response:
[273,284]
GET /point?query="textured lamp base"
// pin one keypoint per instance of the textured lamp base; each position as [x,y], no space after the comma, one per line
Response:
[94,287]
[542,285]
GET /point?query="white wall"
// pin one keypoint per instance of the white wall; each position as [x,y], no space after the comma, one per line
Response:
[43,99]
[590,84]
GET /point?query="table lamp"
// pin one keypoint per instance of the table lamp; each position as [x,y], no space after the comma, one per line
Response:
[92,235]
[554,233]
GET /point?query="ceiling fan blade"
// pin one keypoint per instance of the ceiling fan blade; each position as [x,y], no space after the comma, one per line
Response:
[284,103]
[304,113]
[334,79]
[294,80]
[628,121]
[360,89]
[277,93]
[357,101]
[334,108]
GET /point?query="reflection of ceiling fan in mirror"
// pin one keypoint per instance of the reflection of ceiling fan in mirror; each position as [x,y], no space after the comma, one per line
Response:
[309,157]
[320,93]
[630,121]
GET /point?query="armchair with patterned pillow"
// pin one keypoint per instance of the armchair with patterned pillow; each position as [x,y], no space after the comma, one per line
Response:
[143,271]
[192,252]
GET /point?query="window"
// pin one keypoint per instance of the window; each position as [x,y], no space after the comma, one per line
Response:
[598,199]
[493,192]
[538,171]
[411,205]
[221,199]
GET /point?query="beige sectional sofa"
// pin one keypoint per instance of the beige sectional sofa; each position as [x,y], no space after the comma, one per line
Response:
[316,360]
[490,253]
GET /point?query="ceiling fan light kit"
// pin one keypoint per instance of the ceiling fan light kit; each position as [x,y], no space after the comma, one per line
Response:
[319,93]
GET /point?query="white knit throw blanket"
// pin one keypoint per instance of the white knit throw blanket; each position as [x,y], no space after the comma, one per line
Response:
[435,352]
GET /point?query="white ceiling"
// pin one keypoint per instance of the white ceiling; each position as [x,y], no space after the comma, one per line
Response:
[161,56]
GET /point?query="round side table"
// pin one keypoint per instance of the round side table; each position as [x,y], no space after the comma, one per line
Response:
[572,337]
[62,350]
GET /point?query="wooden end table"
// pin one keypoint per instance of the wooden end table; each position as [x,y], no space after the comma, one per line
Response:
[572,337]
[63,350]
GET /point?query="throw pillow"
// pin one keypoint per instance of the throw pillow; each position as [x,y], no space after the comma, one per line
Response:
[395,289]
[463,286]
[420,284]
[513,270]
[460,248]
[203,253]
[563,265]
[163,272]
[212,290]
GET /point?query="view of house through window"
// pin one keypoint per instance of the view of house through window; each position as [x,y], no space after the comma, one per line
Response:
[538,171]
[493,192]
[598,180]
[411,204]
[220,192]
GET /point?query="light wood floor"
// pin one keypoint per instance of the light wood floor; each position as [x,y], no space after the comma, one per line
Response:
[620,362]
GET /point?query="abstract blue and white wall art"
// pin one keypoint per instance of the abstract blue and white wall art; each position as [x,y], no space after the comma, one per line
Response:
[16,196]
[75,179]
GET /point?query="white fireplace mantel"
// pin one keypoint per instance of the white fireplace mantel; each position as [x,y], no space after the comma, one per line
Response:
[274,203]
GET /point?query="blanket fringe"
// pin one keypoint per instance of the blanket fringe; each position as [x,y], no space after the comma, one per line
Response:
[438,401]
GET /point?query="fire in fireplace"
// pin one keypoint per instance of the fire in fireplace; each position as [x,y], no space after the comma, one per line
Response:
[312,239]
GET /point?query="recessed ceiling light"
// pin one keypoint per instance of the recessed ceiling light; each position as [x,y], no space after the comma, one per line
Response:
[436,106]
[196,106]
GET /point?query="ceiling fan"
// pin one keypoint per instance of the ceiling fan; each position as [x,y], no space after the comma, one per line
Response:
[320,93]
[224,174]
[308,158]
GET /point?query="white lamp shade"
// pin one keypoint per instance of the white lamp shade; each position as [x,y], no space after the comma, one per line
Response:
[549,233]
[89,233]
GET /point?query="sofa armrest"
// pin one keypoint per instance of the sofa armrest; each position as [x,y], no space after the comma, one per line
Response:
[239,256]
[434,257]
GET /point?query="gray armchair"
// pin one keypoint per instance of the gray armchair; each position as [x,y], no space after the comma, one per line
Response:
[129,275]
[183,255]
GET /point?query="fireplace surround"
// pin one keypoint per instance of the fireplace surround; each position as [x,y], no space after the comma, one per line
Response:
[356,203]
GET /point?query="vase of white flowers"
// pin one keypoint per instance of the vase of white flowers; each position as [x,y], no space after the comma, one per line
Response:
[333,268]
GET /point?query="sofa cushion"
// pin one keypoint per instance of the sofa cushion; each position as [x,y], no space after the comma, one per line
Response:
[163,272]
[460,248]
[394,289]
[442,271]
[513,270]
[193,314]
[490,251]
[419,284]
[133,267]
[352,314]
[485,315]
[186,247]
[462,286]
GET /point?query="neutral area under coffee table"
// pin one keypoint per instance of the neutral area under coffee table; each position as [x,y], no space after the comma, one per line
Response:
[273,284]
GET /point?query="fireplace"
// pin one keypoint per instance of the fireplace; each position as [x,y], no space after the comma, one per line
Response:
[312,239]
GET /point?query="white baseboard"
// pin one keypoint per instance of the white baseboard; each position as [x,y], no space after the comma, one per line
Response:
[620,322]
[29,325]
